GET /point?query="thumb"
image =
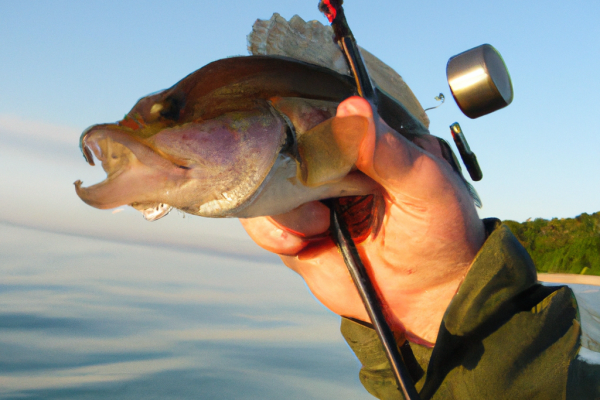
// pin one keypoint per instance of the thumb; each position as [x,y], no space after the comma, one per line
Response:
[384,155]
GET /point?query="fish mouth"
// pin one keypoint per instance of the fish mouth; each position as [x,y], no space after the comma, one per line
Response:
[207,168]
[137,174]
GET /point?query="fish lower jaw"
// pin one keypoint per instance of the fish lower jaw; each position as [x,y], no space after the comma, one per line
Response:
[228,203]
[214,208]
[153,212]
[135,173]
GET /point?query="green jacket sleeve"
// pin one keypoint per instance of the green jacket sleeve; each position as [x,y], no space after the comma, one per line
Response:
[503,336]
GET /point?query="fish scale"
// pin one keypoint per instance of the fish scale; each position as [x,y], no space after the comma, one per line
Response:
[243,168]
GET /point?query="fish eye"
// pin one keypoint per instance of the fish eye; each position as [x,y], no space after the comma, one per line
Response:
[169,108]
[156,107]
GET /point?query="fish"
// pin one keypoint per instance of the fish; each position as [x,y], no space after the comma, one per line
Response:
[312,42]
[241,137]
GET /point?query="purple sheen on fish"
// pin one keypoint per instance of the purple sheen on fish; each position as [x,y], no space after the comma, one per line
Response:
[226,141]
[222,160]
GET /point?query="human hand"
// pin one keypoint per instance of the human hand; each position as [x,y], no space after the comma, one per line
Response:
[428,238]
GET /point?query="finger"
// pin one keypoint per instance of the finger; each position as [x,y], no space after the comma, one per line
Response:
[308,220]
[375,142]
[289,233]
[356,106]
[271,237]
[392,160]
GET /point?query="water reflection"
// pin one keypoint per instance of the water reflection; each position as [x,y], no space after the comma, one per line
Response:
[91,319]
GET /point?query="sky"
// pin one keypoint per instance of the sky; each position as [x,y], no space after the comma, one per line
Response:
[66,65]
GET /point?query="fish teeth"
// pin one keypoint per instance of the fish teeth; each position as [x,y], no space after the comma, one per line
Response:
[157,212]
[85,150]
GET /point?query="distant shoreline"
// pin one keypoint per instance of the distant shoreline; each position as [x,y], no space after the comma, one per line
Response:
[570,278]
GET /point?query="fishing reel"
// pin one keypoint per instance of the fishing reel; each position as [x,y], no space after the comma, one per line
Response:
[480,84]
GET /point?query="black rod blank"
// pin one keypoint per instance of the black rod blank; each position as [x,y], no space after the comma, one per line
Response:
[339,232]
[345,244]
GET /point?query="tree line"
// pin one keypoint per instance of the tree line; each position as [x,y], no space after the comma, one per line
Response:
[565,245]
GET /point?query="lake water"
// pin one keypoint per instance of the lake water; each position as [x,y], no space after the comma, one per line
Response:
[84,318]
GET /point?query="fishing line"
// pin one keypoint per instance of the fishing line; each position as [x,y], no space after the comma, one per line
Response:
[439,97]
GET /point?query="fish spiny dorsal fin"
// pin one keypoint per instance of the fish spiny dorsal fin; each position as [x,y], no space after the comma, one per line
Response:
[312,42]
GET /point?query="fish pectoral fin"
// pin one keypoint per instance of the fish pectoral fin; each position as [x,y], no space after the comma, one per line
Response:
[329,151]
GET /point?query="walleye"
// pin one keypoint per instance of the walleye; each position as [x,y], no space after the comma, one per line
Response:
[240,137]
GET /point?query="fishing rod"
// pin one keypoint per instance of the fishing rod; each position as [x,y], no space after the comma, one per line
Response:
[341,235]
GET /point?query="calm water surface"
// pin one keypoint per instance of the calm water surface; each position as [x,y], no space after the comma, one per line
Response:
[85,318]
[90,319]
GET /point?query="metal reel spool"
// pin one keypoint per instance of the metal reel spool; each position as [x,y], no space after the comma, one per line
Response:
[479,81]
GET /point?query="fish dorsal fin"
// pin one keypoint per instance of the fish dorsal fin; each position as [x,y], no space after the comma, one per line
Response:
[312,42]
